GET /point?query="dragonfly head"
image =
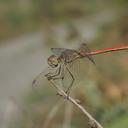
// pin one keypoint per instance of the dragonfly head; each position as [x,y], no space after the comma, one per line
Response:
[53,61]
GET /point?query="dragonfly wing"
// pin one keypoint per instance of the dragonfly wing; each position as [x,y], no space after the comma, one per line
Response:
[79,68]
[38,81]
[84,48]
[67,54]
[58,51]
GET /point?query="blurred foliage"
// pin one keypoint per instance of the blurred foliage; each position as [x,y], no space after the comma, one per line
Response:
[21,16]
[106,93]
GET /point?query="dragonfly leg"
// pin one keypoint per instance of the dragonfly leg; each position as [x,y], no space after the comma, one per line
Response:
[73,79]
[60,74]
[57,74]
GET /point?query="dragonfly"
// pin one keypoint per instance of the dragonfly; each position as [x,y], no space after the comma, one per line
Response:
[60,61]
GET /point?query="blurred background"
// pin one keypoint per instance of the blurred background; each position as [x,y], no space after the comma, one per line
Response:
[29,28]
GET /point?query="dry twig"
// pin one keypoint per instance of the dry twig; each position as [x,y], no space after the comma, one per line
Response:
[92,122]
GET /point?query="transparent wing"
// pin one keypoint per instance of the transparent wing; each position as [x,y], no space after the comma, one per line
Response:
[66,54]
[69,54]
[58,51]
[84,49]
[40,79]
[79,69]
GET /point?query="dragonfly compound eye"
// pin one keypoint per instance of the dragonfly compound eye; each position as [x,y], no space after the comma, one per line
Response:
[53,61]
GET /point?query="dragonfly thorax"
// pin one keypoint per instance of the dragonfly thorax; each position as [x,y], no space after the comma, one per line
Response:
[53,61]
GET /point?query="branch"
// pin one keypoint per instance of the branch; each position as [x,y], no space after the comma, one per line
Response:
[92,122]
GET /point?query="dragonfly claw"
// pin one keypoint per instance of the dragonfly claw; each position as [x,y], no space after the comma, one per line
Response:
[48,76]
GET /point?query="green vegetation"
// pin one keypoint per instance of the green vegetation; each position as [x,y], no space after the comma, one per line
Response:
[18,17]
